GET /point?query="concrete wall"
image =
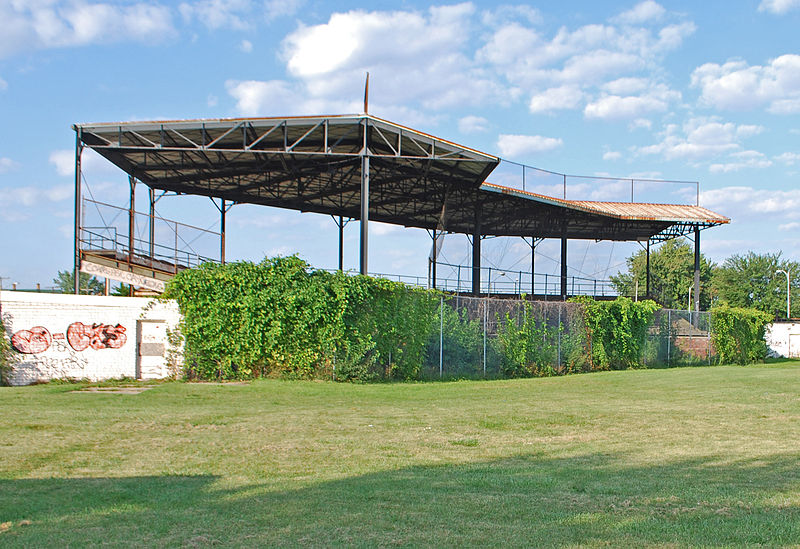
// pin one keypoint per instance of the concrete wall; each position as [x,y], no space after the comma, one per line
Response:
[783,339]
[59,336]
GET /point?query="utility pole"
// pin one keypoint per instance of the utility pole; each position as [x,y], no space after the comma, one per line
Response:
[788,293]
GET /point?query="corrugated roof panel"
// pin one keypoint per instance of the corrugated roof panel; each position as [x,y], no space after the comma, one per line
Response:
[634,211]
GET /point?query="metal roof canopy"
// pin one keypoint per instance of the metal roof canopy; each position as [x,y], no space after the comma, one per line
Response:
[363,167]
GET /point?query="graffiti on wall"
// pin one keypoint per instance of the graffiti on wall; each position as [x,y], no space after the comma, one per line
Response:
[97,336]
[80,337]
[35,340]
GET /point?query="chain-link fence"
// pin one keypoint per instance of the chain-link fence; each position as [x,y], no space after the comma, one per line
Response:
[679,338]
[492,338]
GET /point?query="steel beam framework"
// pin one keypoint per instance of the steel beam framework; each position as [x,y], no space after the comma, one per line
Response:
[356,167]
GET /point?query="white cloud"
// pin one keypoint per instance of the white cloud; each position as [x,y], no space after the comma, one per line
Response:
[626,86]
[246,46]
[586,56]
[595,66]
[701,138]
[219,14]
[778,7]
[789,226]
[515,146]
[473,124]
[612,155]
[744,203]
[672,36]
[563,97]
[380,229]
[48,24]
[641,123]
[737,86]
[281,98]
[788,158]
[256,97]
[643,12]
[741,160]
[7,165]
[64,162]
[506,13]
[16,202]
[3,85]
[611,107]
[412,56]
[274,9]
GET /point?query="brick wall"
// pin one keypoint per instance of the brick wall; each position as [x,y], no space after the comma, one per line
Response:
[59,336]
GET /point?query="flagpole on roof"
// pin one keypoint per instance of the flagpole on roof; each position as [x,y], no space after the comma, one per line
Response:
[366,95]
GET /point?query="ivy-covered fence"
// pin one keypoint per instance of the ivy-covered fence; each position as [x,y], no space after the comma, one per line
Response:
[280,318]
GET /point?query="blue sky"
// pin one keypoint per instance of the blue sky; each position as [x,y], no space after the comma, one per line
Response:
[706,91]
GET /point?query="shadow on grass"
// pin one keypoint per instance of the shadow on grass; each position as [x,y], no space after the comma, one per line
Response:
[526,500]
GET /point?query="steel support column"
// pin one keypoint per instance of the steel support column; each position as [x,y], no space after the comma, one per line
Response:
[77,255]
[476,255]
[341,243]
[434,260]
[152,222]
[363,258]
[647,271]
[533,266]
[563,268]
[131,218]
[222,212]
[697,268]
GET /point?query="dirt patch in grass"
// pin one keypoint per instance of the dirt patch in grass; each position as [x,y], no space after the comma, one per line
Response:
[123,390]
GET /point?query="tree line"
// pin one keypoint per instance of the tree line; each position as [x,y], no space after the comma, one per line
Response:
[743,280]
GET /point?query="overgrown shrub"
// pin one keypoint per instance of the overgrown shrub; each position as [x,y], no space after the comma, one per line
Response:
[617,330]
[738,334]
[529,346]
[279,318]
[5,356]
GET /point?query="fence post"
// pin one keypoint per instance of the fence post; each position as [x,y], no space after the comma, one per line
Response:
[441,333]
[560,306]
[669,336]
[485,317]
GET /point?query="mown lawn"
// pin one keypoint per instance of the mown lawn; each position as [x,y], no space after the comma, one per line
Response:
[680,457]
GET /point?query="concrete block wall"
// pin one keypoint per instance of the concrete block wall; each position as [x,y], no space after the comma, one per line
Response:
[60,336]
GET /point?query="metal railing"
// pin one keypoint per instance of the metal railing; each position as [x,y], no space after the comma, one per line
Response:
[496,281]
[599,188]
[111,235]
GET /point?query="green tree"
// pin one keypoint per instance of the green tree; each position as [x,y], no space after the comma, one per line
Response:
[671,275]
[65,281]
[750,280]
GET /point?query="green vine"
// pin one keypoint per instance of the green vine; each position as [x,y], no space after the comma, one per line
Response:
[529,347]
[279,318]
[617,330]
[5,357]
[738,334]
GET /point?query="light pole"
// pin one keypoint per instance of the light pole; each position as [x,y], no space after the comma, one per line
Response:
[788,293]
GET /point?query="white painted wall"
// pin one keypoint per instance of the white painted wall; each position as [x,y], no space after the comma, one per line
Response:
[783,339]
[80,337]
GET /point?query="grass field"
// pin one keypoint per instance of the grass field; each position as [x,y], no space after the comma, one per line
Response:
[680,457]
